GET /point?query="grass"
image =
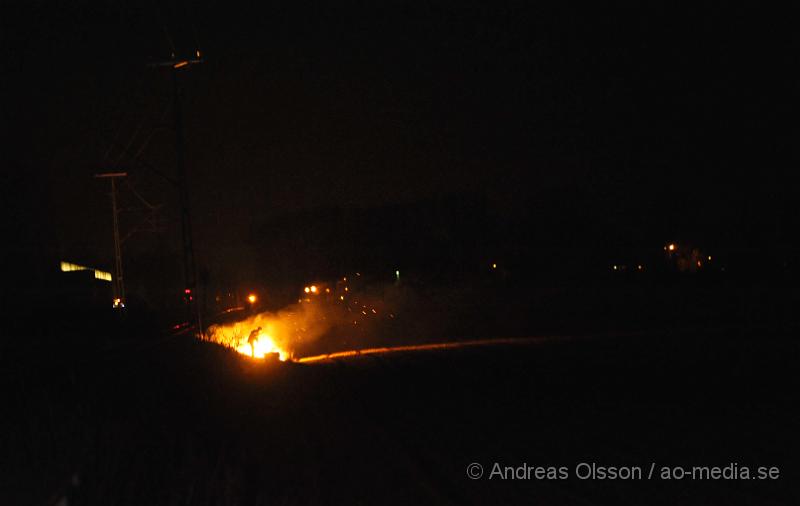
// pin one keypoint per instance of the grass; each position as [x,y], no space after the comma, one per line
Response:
[178,421]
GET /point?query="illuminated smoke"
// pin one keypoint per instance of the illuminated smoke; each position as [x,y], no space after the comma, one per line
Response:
[280,332]
[332,317]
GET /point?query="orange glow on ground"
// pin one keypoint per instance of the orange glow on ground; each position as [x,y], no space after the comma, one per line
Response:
[424,347]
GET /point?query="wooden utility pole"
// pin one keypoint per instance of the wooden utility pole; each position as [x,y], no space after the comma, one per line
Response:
[118,282]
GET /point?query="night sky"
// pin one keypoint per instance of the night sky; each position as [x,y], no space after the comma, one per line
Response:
[620,126]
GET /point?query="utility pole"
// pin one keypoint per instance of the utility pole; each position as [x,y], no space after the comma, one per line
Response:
[189,267]
[119,283]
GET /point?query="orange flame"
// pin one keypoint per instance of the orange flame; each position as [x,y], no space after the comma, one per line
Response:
[262,347]
[237,337]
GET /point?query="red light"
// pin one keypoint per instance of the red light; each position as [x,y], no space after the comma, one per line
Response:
[188,290]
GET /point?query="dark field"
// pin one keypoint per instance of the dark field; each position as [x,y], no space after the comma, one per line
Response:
[592,212]
[177,421]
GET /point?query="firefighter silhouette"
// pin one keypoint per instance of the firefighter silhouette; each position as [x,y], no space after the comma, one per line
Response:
[251,340]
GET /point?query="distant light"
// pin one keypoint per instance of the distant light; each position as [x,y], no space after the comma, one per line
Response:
[709,258]
[671,247]
[698,263]
[358,273]
[251,298]
[346,289]
[313,288]
[639,266]
[615,267]
[102,275]
[69,267]
[306,289]
[98,274]
[494,266]
[180,64]
[187,291]
[197,53]
[397,274]
[341,297]
[327,290]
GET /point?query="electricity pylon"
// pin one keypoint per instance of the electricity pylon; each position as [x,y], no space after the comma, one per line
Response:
[189,267]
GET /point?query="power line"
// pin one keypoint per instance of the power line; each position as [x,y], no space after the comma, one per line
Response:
[123,105]
[147,204]
[190,18]
[164,28]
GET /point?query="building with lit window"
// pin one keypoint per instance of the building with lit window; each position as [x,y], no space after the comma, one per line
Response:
[84,286]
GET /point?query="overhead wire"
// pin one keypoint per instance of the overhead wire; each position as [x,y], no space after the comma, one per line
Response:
[190,18]
[164,28]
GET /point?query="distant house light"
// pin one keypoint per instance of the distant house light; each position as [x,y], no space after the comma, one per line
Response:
[69,267]
[105,276]
[98,274]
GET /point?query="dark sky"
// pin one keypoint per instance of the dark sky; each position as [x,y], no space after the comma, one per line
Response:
[617,118]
